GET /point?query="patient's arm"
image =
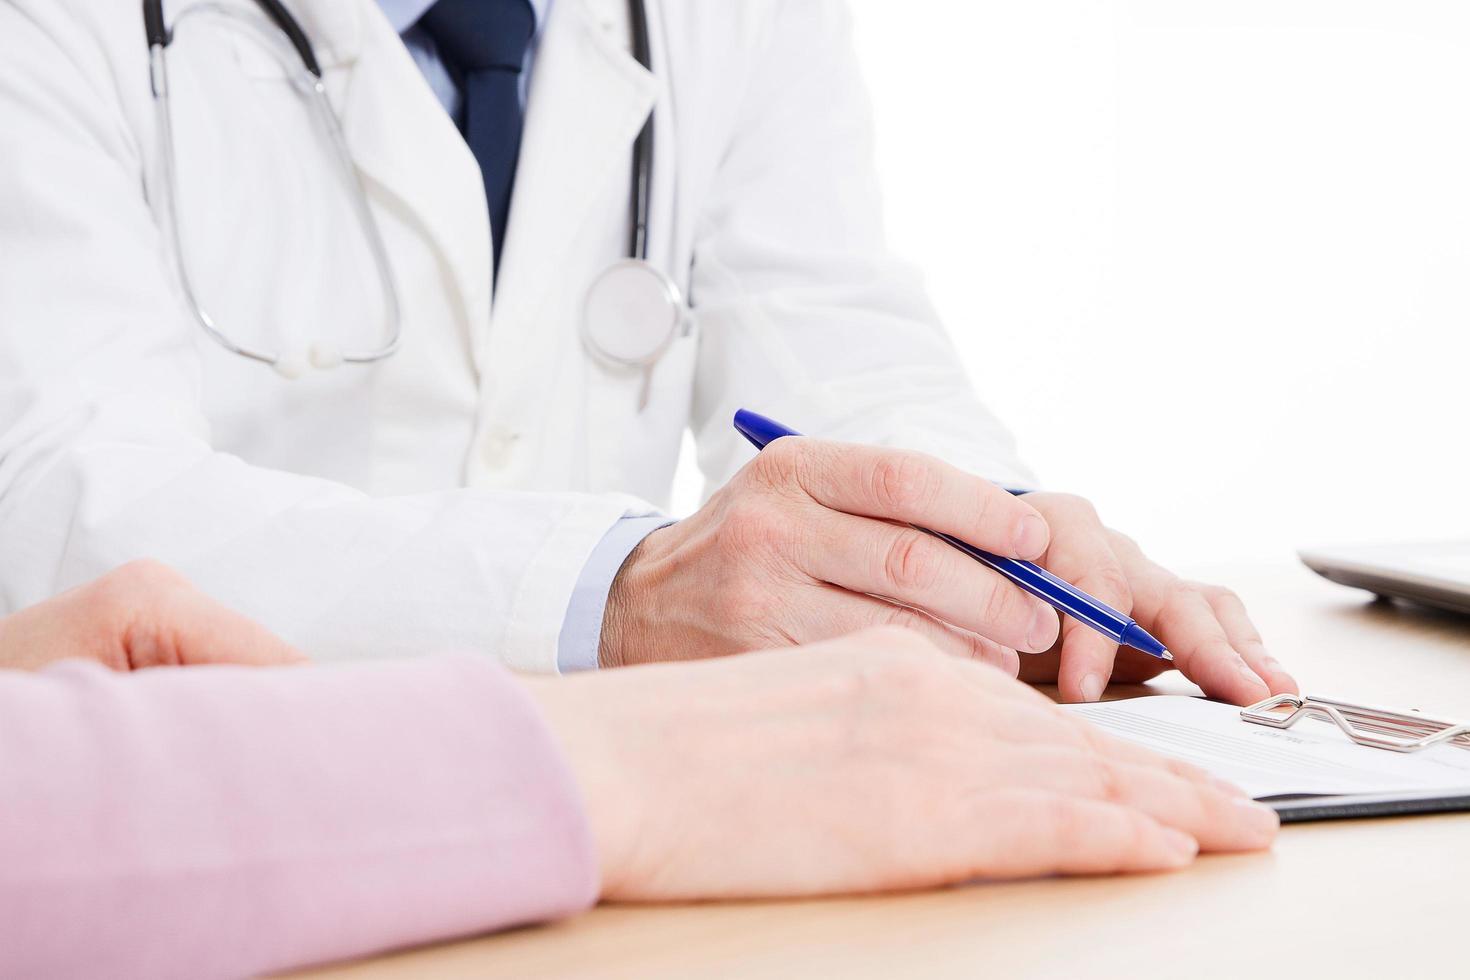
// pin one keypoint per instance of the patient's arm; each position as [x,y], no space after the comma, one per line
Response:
[229,821]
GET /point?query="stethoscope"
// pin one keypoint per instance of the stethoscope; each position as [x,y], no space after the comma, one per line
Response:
[631,313]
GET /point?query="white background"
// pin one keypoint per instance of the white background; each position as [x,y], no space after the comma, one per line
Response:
[1207,259]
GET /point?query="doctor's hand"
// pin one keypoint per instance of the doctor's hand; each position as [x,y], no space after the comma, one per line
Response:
[1205,627]
[811,540]
[142,614]
[869,763]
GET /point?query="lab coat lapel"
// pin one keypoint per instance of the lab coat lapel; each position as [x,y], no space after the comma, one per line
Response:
[588,99]
[406,147]
[333,26]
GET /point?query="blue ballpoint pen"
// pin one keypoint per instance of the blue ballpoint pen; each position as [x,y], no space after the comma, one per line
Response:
[1028,576]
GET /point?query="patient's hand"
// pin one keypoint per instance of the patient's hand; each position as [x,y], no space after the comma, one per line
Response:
[143,614]
[872,762]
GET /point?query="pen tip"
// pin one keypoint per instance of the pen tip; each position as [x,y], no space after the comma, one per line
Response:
[1138,638]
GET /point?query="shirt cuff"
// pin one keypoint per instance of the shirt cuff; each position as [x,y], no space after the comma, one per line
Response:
[581,630]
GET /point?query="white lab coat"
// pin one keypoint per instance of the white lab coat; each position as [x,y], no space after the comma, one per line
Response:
[450,496]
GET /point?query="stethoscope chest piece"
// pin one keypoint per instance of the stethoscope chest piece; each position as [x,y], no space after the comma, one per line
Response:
[630,316]
[631,313]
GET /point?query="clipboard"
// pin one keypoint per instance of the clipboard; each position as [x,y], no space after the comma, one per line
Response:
[1378,728]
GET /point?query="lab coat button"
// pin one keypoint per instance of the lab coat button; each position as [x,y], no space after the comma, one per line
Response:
[497,446]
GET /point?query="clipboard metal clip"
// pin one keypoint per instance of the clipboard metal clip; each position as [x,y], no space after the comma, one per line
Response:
[1374,727]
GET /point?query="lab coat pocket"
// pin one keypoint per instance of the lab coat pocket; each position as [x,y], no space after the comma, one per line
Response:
[636,451]
[673,375]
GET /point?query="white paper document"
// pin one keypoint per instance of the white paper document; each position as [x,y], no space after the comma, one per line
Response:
[1311,757]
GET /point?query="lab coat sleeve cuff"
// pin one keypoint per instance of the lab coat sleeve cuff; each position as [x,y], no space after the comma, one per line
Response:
[581,631]
[538,608]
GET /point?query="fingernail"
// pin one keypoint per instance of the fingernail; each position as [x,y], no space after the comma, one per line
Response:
[1260,819]
[1181,844]
[1254,679]
[1011,661]
[1273,667]
[1228,788]
[1030,538]
[1092,687]
[1043,629]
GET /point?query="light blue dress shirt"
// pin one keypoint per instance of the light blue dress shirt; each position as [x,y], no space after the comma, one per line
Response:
[581,630]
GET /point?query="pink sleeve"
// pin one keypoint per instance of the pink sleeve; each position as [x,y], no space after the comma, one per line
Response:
[226,821]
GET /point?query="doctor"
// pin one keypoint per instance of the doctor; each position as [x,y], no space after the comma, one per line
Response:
[460,445]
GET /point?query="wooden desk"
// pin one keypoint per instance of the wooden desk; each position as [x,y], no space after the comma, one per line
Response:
[1350,899]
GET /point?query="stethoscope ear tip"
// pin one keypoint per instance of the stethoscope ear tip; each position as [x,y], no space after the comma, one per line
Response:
[321,356]
[289,366]
[324,357]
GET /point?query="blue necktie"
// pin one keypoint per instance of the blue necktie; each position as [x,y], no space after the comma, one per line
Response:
[483,43]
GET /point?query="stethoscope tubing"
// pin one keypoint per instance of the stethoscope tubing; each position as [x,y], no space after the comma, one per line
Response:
[642,193]
[159,35]
[322,356]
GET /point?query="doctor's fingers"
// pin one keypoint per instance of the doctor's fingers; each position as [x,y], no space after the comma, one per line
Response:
[1246,639]
[917,569]
[1081,553]
[1180,615]
[837,612]
[906,487]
